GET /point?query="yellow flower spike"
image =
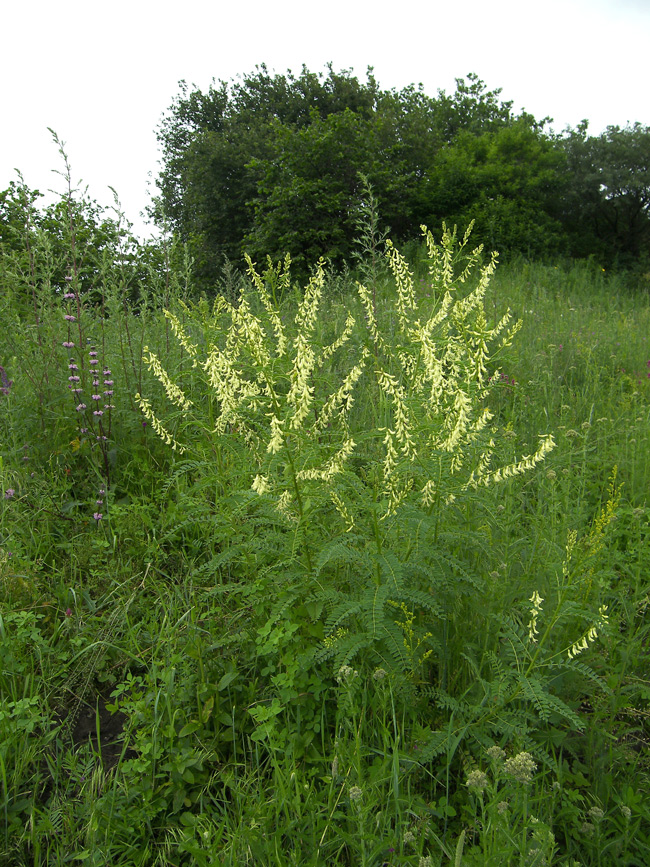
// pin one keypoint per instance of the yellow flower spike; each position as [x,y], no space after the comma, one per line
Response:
[173,392]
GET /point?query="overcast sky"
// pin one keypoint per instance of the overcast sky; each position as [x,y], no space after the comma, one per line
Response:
[101,75]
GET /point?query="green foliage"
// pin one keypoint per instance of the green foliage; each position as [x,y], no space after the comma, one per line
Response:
[606,206]
[308,187]
[219,148]
[271,164]
[216,673]
[507,181]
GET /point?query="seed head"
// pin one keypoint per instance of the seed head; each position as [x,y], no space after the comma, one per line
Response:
[355,793]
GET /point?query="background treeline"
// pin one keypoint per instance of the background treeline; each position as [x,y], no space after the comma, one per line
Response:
[271,164]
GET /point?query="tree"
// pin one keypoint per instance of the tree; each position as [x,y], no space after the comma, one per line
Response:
[471,109]
[218,149]
[606,206]
[72,241]
[309,187]
[507,180]
[270,164]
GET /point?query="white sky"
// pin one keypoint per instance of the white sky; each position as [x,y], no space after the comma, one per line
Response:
[101,75]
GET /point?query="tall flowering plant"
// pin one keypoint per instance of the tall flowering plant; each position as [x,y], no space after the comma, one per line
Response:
[359,444]
[91,386]
[290,399]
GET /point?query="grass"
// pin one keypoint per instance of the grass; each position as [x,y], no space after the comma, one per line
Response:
[192,678]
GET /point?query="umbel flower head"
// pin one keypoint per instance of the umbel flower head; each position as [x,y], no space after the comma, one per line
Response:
[520,767]
[477,780]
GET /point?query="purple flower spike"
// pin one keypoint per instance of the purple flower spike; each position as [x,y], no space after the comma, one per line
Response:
[98,412]
[81,407]
[73,379]
[9,493]
[6,382]
[98,516]
[69,295]
[68,344]
[69,318]
[97,397]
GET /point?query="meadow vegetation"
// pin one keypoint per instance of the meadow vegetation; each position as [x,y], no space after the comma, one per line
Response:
[352,571]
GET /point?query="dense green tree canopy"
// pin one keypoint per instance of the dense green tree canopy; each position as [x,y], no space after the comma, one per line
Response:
[271,164]
[605,204]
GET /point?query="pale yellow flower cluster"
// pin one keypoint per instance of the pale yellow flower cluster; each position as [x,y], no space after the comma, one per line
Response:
[250,331]
[402,432]
[158,427]
[474,301]
[443,364]
[442,258]
[535,611]
[343,511]
[430,373]
[181,336]
[591,635]
[528,462]
[331,468]
[283,506]
[301,393]
[328,351]
[230,387]
[341,400]
[260,485]
[283,279]
[404,280]
[173,392]
[250,384]
[371,320]
[277,439]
